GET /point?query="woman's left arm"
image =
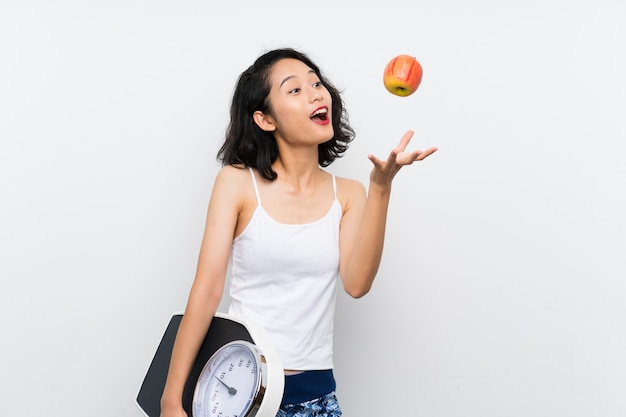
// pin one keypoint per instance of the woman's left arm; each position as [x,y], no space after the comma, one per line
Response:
[363,225]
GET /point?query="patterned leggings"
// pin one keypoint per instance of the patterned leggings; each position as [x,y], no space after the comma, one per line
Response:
[326,406]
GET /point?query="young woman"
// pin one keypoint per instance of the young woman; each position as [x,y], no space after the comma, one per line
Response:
[289,228]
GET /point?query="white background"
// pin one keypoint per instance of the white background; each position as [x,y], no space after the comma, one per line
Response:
[502,290]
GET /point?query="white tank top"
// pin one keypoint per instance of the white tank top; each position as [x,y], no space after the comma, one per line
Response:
[284,277]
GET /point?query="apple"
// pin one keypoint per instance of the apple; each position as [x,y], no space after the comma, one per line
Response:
[402,76]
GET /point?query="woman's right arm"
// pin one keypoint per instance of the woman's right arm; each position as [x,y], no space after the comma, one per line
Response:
[206,292]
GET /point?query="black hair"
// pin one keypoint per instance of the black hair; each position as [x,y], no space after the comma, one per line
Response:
[249,145]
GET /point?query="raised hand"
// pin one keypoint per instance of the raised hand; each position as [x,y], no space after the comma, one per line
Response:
[384,171]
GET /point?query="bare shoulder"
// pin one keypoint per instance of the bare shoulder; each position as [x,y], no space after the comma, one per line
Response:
[233,183]
[349,185]
[231,173]
[234,197]
[233,177]
[350,192]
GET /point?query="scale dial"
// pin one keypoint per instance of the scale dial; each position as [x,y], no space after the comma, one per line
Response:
[231,382]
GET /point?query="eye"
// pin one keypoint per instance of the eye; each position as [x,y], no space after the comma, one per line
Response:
[318,84]
[295,90]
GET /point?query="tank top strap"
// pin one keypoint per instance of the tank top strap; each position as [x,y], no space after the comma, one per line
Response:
[256,188]
[334,186]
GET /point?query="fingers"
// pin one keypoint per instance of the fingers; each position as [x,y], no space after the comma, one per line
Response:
[373,158]
[408,158]
[399,156]
[391,159]
[425,154]
[404,141]
[419,155]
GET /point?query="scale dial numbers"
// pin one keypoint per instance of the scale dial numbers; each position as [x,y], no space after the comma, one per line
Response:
[229,384]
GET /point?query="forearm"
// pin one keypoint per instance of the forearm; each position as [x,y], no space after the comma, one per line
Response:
[367,251]
[193,328]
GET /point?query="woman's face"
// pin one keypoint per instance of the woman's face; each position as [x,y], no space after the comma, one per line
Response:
[301,106]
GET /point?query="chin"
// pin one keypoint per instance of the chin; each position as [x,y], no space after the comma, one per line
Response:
[330,136]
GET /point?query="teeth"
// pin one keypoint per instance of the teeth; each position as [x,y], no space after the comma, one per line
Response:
[319,112]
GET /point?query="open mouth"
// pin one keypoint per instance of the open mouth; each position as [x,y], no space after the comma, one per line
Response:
[320,115]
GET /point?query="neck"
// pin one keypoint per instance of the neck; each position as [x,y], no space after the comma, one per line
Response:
[298,167]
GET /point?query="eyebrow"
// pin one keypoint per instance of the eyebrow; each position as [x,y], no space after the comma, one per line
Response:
[292,76]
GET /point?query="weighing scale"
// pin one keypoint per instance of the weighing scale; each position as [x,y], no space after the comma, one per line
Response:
[237,372]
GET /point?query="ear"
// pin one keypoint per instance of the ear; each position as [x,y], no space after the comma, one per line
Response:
[265,122]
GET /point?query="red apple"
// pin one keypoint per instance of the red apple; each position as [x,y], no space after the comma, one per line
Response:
[402,75]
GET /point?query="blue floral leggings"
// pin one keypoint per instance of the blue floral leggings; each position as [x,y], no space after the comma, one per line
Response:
[326,406]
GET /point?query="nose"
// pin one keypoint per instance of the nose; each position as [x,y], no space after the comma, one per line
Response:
[316,95]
